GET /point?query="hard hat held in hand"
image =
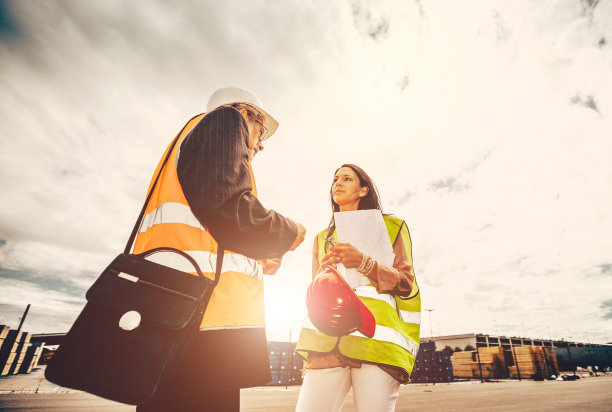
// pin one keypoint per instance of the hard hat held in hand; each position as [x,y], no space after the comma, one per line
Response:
[334,307]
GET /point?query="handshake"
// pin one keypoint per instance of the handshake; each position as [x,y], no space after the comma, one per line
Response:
[271,266]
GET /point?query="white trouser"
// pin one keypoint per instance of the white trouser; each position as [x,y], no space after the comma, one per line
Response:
[324,390]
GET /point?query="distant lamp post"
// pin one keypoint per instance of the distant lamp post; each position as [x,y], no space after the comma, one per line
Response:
[25,314]
[569,354]
[430,324]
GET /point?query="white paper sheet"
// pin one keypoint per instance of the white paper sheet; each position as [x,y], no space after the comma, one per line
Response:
[366,230]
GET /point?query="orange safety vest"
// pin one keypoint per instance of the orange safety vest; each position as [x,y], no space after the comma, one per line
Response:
[237,300]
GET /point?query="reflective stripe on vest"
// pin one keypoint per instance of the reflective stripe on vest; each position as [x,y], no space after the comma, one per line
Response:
[170,212]
[396,339]
[382,333]
[232,262]
[406,316]
[237,300]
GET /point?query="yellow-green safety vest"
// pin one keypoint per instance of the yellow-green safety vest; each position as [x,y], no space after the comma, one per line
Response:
[398,319]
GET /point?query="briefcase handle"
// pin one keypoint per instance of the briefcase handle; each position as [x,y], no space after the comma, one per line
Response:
[171,249]
[220,254]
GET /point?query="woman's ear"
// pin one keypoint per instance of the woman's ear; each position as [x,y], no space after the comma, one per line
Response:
[363,192]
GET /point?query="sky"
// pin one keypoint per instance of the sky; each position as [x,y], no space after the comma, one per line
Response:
[486,125]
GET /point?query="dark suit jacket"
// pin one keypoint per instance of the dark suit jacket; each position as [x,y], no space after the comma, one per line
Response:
[213,169]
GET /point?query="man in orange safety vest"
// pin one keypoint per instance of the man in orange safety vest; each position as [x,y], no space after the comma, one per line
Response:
[206,201]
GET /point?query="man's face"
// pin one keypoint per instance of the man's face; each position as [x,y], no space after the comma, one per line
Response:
[256,134]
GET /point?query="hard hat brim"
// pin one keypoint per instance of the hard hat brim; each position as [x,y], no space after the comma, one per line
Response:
[368,322]
[270,122]
[233,94]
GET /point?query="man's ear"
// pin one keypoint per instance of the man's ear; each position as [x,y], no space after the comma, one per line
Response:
[245,114]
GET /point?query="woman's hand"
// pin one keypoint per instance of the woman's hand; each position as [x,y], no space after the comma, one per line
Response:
[330,260]
[346,254]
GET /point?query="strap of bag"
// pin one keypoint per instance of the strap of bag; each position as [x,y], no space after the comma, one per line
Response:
[130,241]
[128,246]
[220,254]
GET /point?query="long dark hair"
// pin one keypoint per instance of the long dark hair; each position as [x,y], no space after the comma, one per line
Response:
[369,201]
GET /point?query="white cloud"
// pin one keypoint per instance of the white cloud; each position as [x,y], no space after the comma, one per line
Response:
[486,125]
[50,311]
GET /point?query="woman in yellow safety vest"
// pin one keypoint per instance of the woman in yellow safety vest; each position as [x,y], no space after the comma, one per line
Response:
[373,367]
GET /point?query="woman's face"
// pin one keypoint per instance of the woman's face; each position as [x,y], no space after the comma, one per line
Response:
[346,190]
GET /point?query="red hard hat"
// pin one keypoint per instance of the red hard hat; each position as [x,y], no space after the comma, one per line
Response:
[334,307]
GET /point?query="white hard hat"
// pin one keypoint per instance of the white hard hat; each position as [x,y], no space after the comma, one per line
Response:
[229,95]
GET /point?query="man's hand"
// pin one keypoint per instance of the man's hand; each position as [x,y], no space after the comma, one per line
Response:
[270,266]
[300,236]
[346,254]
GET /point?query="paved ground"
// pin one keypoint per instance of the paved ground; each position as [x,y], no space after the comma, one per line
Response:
[32,392]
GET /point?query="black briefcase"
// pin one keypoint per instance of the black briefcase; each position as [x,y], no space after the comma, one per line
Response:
[137,322]
[138,319]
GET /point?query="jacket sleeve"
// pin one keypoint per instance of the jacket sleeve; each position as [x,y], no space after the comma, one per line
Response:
[398,279]
[214,172]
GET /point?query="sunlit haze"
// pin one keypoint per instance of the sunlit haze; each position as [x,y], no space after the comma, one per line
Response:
[486,125]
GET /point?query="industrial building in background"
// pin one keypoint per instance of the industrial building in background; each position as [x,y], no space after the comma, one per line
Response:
[17,353]
[285,364]
[440,358]
[481,356]
[473,356]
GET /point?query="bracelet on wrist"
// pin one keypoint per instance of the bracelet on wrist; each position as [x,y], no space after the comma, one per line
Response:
[369,266]
[367,263]
[364,259]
